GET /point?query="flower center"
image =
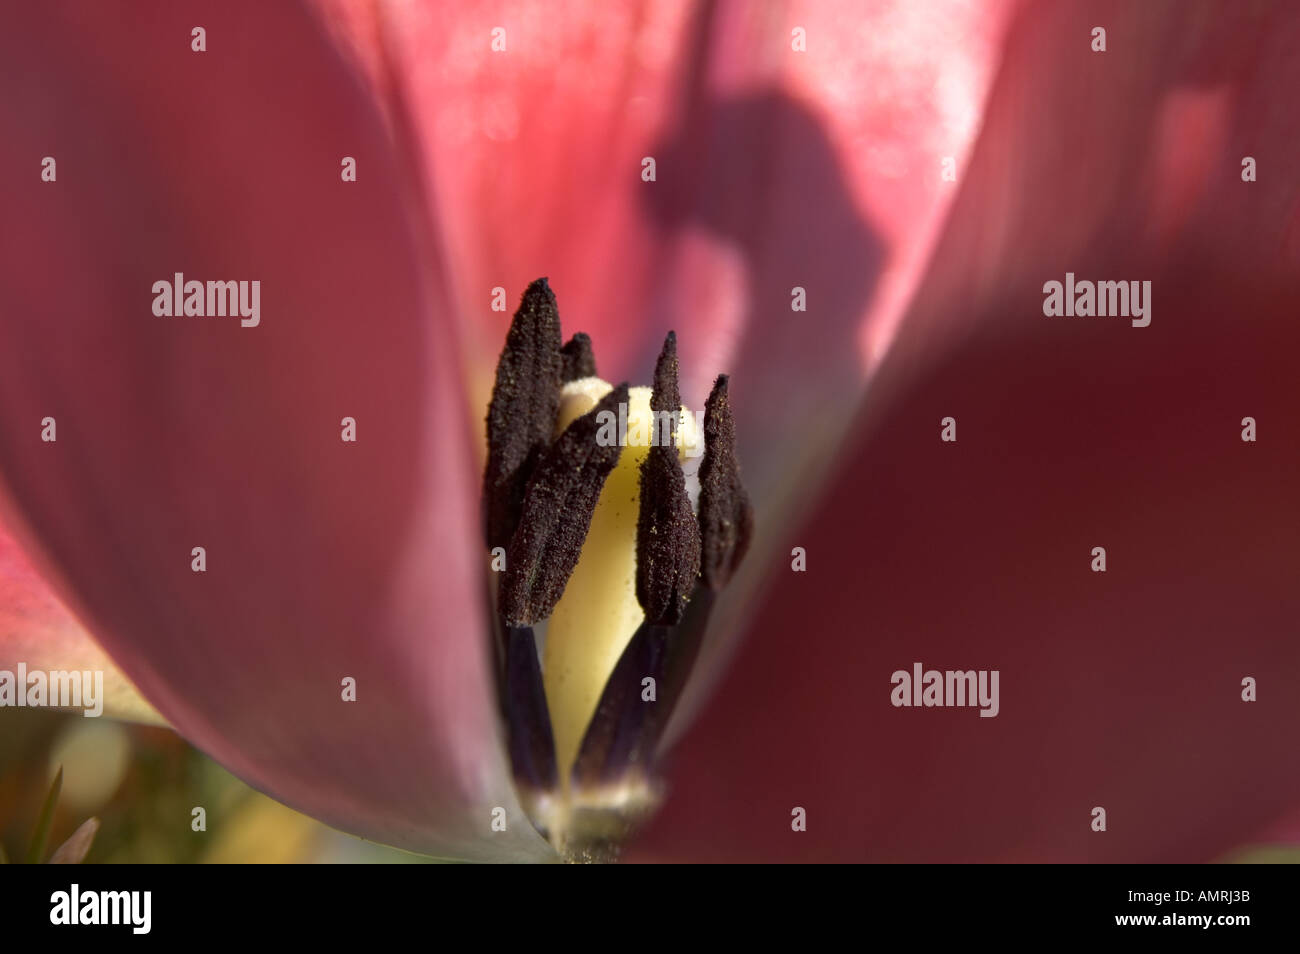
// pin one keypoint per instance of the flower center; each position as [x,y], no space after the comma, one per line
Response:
[607,573]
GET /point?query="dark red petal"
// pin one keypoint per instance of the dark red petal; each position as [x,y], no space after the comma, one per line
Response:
[325,559]
[1121,690]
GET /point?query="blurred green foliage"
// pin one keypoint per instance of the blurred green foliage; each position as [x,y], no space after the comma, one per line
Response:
[143,783]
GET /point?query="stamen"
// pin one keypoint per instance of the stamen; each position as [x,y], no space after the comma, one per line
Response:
[579,359]
[726,515]
[667,536]
[525,400]
[556,515]
[532,746]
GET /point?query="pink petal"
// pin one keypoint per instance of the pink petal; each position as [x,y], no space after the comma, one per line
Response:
[325,560]
[1121,690]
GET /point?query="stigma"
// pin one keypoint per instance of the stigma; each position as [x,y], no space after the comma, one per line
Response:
[609,565]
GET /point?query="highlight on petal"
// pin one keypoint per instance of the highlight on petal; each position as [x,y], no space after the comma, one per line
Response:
[1145,155]
[330,646]
[538,121]
[818,159]
[37,630]
[1124,689]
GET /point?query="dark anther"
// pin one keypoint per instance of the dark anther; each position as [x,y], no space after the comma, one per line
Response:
[667,536]
[556,514]
[525,401]
[579,359]
[726,516]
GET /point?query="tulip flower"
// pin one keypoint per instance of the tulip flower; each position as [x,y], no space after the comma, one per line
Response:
[850,210]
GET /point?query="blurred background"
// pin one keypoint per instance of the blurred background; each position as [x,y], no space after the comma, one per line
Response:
[143,783]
